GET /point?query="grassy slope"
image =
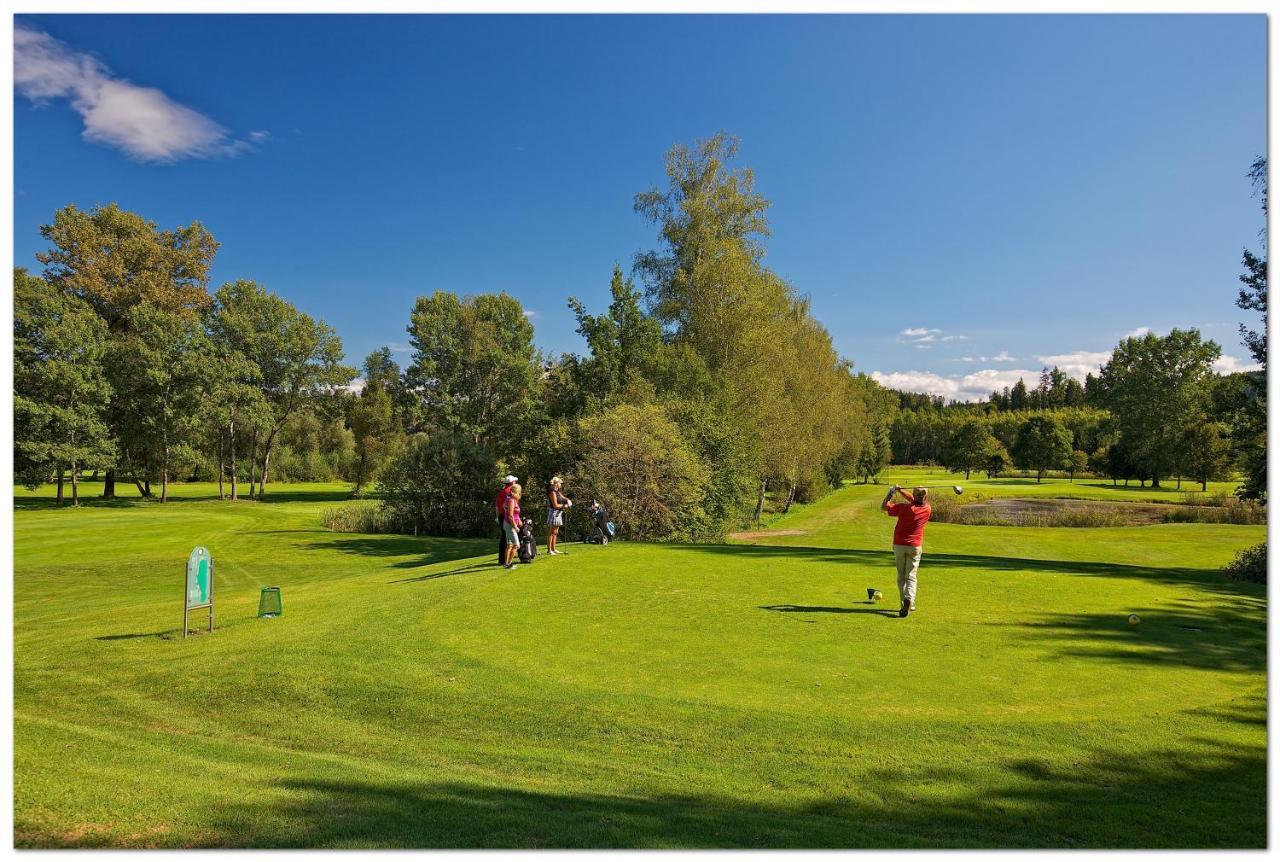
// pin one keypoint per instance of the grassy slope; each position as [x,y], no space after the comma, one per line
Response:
[413,695]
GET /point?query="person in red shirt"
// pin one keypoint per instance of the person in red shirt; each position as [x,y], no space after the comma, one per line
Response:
[500,510]
[908,539]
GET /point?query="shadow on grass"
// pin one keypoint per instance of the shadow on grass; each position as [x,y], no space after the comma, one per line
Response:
[425,550]
[1211,795]
[936,562]
[808,609]
[1220,637]
[91,500]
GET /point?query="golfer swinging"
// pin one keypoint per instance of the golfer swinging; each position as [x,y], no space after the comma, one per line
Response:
[908,536]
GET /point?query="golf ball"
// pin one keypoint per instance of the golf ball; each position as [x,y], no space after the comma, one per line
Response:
[877,595]
[1134,619]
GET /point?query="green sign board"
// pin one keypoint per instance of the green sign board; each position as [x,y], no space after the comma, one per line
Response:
[199,586]
[199,569]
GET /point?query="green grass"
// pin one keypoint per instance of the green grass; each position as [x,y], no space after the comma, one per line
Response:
[414,695]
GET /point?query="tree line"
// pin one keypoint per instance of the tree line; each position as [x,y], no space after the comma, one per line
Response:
[707,386]
[125,363]
[1156,410]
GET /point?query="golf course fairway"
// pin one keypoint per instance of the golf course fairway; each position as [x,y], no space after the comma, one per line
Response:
[414,694]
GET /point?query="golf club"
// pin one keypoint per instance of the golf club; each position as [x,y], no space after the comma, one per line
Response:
[958,489]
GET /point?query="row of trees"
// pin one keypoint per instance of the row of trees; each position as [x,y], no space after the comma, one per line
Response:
[706,384]
[125,363]
[1162,412]
[1156,410]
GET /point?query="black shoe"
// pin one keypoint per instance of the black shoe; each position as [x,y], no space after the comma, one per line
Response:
[904,610]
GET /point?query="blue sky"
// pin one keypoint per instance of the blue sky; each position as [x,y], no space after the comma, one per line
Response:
[963,197]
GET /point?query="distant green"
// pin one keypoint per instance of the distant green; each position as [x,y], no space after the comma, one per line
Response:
[739,695]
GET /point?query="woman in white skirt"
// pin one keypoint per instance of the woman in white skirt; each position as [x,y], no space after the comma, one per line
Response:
[557,502]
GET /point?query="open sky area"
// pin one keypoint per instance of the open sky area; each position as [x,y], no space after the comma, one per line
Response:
[965,198]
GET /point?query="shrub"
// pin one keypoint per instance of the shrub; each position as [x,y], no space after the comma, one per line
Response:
[442,486]
[1234,511]
[368,517]
[1249,565]
[635,461]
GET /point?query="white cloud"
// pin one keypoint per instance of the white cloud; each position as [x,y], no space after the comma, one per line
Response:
[355,386]
[530,313]
[141,121]
[1137,333]
[1230,365]
[1002,356]
[1077,364]
[967,387]
[917,332]
[954,337]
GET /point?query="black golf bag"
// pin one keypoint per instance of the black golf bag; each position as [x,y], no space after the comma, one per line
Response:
[528,544]
[601,527]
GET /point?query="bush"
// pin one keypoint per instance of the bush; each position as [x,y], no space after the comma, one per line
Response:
[369,517]
[442,486]
[635,461]
[1234,511]
[1250,565]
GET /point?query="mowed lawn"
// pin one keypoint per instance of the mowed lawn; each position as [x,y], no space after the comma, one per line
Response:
[742,695]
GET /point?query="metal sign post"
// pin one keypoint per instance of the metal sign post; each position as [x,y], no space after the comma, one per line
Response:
[198,583]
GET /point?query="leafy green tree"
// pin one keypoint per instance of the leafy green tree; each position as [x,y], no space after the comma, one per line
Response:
[372,419]
[474,370]
[998,460]
[298,359]
[1206,451]
[60,390]
[875,455]
[115,260]
[1078,462]
[441,486]
[969,447]
[235,396]
[1154,385]
[1249,420]
[1018,399]
[635,461]
[164,353]
[1043,444]
[622,343]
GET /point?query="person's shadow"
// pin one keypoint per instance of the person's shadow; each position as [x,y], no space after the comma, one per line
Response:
[820,609]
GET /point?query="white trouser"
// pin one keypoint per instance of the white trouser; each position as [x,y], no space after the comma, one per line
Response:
[906,558]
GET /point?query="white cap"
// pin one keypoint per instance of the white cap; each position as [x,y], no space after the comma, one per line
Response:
[509,479]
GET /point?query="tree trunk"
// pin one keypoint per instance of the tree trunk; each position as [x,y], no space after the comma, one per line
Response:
[164,471]
[266,467]
[60,479]
[222,464]
[109,485]
[75,487]
[253,462]
[1204,484]
[791,495]
[146,487]
[232,425]
[966,474]
[760,501]
[1155,481]
[1179,481]
[94,477]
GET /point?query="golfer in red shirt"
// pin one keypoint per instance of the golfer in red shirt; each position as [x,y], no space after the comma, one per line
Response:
[908,537]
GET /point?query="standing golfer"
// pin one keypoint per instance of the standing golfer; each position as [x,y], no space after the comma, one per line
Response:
[908,537]
[500,510]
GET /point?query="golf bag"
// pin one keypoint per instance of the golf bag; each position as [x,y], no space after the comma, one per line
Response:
[601,528]
[528,544]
